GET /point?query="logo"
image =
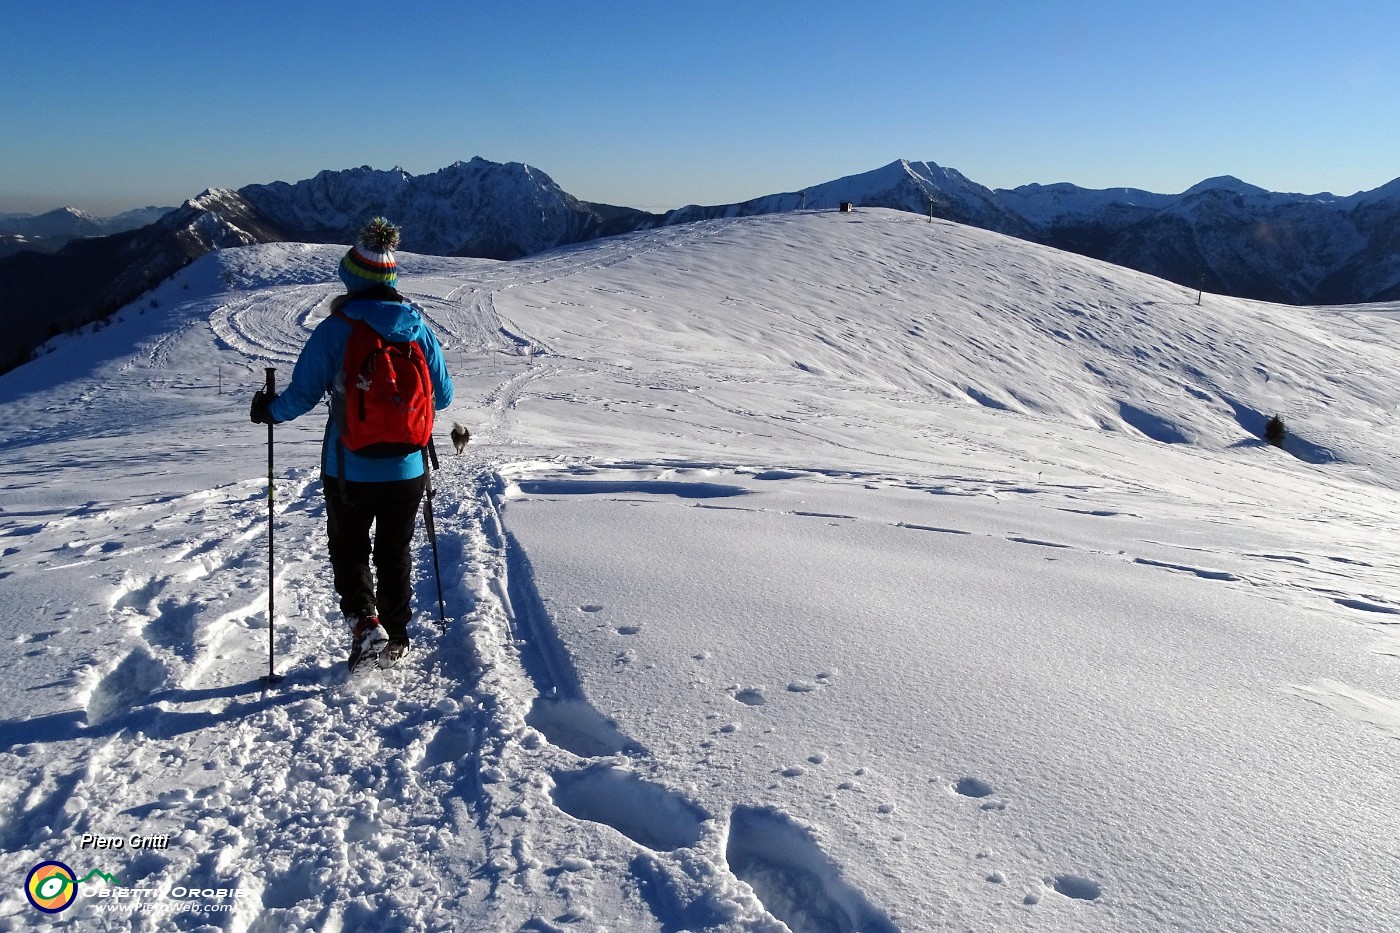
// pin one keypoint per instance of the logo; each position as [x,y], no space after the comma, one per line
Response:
[52,887]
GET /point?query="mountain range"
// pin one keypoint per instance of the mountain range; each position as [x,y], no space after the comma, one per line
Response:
[1222,235]
[49,232]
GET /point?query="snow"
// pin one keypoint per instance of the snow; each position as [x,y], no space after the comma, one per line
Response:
[816,571]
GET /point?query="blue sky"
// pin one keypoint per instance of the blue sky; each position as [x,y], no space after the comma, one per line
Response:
[660,104]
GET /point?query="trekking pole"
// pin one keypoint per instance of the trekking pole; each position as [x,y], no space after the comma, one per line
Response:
[271,678]
[430,453]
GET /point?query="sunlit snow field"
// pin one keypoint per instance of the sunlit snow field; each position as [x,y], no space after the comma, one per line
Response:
[824,571]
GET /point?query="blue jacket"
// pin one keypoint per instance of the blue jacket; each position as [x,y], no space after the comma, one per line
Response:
[320,363]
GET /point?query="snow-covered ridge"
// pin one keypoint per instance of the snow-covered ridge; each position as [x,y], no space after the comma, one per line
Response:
[1223,234]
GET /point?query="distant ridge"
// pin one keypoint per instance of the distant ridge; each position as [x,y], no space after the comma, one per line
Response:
[1224,234]
[51,231]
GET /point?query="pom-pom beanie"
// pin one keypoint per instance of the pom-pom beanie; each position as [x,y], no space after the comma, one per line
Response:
[370,261]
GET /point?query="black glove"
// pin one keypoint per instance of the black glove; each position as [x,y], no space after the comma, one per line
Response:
[261,400]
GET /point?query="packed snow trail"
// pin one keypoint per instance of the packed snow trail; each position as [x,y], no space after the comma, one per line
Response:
[402,799]
[320,784]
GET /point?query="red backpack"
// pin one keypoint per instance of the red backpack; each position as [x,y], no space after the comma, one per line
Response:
[386,406]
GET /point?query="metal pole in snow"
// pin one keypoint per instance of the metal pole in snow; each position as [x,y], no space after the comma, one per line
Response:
[430,455]
[271,678]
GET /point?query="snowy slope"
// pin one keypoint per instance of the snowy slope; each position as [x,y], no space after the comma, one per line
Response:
[815,571]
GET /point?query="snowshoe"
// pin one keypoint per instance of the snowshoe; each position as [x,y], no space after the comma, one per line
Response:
[393,652]
[367,639]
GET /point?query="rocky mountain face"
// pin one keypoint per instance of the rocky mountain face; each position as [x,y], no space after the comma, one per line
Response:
[1222,234]
[477,208]
[1232,237]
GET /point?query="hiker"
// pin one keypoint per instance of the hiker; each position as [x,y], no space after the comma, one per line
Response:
[373,468]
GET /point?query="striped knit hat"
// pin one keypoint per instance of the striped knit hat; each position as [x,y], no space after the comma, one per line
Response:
[370,261]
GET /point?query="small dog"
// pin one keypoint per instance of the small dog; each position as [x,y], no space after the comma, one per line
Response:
[460,436]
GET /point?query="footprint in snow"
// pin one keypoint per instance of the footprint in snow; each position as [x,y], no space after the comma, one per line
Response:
[173,626]
[1076,887]
[454,742]
[973,787]
[577,727]
[138,595]
[36,636]
[822,679]
[793,879]
[125,686]
[751,696]
[652,816]
[978,789]
[290,888]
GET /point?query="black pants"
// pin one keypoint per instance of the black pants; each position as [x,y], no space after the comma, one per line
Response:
[392,508]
